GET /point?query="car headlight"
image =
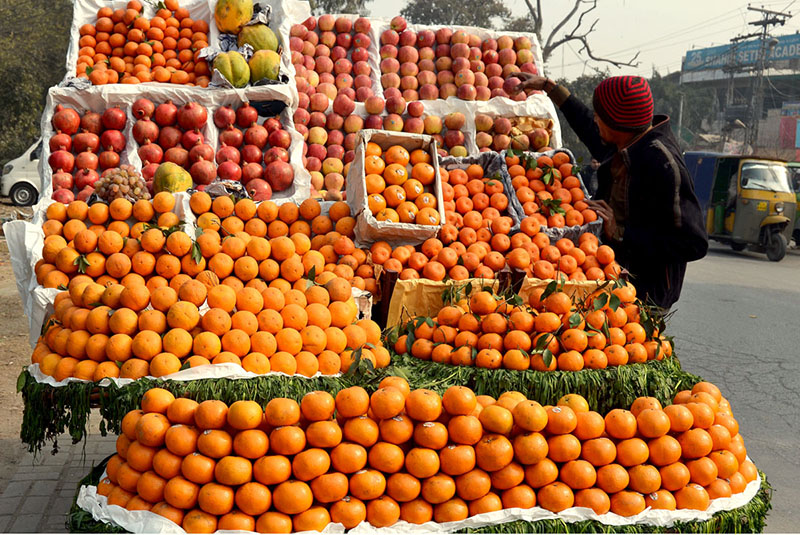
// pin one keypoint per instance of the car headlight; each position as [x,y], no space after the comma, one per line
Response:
[779,207]
[7,169]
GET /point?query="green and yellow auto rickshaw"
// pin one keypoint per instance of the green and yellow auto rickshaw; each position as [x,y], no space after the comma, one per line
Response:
[749,201]
[794,172]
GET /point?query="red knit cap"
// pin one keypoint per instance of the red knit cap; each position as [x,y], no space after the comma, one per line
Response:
[624,103]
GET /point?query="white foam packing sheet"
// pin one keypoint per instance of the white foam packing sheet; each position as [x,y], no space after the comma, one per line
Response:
[368,229]
[85,12]
[227,370]
[147,522]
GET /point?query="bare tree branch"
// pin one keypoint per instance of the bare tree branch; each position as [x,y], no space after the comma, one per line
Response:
[630,63]
[580,8]
[564,21]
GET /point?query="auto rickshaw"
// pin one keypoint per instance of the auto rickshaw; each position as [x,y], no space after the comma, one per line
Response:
[794,172]
[748,200]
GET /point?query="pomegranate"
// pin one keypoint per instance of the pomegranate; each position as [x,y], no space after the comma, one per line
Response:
[61,160]
[66,120]
[259,190]
[86,160]
[151,152]
[229,170]
[201,151]
[86,140]
[86,177]
[203,172]
[227,153]
[251,171]
[224,117]
[275,154]
[145,130]
[280,138]
[192,116]
[177,155]
[231,136]
[256,135]
[272,124]
[85,193]
[251,153]
[143,108]
[246,115]
[108,159]
[280,175]
[64,196]
[169,137]
[192,138]
[114,119]
[60,141]
[166,114]
[148,171]
[62,180]
[92,122]
[113,140]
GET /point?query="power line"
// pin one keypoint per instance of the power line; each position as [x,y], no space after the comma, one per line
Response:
[661,46]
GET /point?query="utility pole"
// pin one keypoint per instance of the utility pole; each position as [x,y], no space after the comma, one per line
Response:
[768,18]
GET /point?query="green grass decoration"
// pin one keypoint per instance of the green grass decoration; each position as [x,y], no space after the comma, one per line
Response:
[49,411]
[750,518]
[610,388]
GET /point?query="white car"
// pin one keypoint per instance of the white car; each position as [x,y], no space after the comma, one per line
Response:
[20,179]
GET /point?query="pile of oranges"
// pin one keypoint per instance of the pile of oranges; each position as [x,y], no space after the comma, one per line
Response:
[124,47]
[549,191]
[274,285]
[400,185]
[482,248]
[468,193]
[416,456]
[553,331]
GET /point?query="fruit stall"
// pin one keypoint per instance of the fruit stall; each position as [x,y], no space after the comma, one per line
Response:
[328,273]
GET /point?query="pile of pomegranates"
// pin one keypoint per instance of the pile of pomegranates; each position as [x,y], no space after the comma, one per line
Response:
[81,146]
[256,154]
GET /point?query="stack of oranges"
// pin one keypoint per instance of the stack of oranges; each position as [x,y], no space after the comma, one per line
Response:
[553,332]
[549,191]
[400,185]
[416,456]
[122,46]
[468,192]
[278,288]
[481,251]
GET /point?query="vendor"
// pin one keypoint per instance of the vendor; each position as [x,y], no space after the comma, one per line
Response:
[651,215]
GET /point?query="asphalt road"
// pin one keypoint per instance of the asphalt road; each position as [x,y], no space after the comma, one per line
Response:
[737,325]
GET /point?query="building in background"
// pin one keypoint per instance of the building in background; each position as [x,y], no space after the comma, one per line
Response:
[756,78]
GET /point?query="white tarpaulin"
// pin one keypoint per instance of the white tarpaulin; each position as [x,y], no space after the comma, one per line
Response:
[147,522]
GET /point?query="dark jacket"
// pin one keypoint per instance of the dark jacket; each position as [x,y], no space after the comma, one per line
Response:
[665,227]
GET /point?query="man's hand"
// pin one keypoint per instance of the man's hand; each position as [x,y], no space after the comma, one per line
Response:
[532,81]
[609,221]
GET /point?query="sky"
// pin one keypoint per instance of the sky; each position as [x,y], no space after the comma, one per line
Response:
[661,30]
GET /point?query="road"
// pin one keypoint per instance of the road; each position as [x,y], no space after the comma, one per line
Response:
[737,325]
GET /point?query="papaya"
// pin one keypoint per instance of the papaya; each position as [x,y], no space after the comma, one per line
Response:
[232,15]
[171,177]
[259,36]
[264,64]
[233,67]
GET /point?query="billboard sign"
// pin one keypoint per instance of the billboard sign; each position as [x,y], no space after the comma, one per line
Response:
[746,53]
